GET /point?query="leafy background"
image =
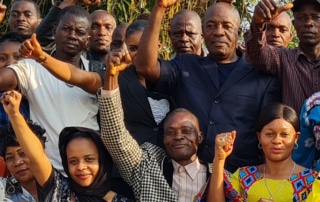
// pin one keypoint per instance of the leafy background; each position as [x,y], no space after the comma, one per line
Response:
[128,10]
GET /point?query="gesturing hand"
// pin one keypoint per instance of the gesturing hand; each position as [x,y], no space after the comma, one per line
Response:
[91,2]
[11,102]
[267,10]
[166,3]
[118,60]
[224,144]
[32,49]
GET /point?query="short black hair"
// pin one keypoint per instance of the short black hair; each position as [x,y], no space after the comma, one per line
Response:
[36,6]
[137,25]
[297,4]
[8,137]
[12,37]
[76,10]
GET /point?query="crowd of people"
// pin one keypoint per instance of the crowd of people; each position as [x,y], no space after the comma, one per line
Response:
[91,113]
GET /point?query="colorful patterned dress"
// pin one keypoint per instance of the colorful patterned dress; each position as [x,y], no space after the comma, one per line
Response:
[247,184]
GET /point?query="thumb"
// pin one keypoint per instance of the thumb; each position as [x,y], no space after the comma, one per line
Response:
[285,7]
[127,57]
[34,40]
[233,134]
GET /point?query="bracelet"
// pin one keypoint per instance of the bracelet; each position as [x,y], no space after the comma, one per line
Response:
[43,60]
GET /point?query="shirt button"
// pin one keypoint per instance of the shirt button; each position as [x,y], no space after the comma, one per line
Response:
[217,101]
[212,122]
[156,129]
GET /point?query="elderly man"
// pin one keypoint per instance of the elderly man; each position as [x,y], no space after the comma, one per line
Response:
[173,174]
[186,33]
[222,89]
[55,104]
[24,17]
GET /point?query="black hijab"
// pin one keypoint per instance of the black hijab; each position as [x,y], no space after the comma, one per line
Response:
[101,185]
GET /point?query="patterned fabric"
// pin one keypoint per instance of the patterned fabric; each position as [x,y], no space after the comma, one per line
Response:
[140,167]
[299,76]
[314,196]
[308,152]
[246,184]
[250,185]
[10,189]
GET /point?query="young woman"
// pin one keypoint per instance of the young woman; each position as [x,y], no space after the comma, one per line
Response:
[279,178]
[85,160]
[21,185]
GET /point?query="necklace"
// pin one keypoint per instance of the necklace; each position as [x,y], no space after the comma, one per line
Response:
[281,186]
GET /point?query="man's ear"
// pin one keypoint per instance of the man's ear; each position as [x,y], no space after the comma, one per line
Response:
[200,137]
[239,31]
[54,31]
[159,46]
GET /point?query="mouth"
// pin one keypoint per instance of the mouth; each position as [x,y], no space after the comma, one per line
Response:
[83,176]
[276,150]
[178,146]
[184,49]
[274,43]
[21,26]
[71,45]
[22,172]
[308,34]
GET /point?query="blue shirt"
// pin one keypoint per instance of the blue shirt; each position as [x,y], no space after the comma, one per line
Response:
[11,189]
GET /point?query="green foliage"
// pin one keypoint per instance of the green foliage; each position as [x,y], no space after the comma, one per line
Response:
[128,10]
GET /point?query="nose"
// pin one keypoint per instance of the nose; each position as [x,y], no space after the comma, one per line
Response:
[276,32]
[218,31]
[18,161]
[184,37]
[72,34]
[21,17]
[81,166]
[308,22]
[277,139]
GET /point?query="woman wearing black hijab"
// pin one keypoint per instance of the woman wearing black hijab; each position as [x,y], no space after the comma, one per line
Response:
[84,158]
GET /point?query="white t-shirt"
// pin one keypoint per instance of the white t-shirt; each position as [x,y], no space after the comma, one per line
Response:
[55,104]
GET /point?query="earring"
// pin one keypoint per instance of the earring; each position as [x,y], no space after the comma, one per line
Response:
[259,146]
[296,146]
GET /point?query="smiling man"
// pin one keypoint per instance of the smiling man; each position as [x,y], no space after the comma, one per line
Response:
[24,17]
[222,89]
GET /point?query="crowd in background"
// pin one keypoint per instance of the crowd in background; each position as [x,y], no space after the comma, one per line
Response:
[90,113]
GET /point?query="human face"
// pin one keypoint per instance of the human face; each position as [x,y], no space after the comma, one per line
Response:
[221,31]
[102,28]
[132,42]
[181,137]
[9,53]
[23,18]
[118,37]
[307,24]
[278,32]
[277,140]
[72,34]
[83,161]
[186,35]
[17,163]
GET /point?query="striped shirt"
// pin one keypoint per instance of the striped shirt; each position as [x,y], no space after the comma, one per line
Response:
[299,76]
[188,180]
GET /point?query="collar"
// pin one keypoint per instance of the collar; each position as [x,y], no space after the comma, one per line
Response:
[192,169]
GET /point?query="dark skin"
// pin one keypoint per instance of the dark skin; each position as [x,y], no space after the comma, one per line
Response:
[71,37]
[8,79]
[186,33]
[182,137]
[23,18]
[102,28]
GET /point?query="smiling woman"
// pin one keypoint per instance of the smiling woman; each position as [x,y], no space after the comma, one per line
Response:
[84,158]
[275,180]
